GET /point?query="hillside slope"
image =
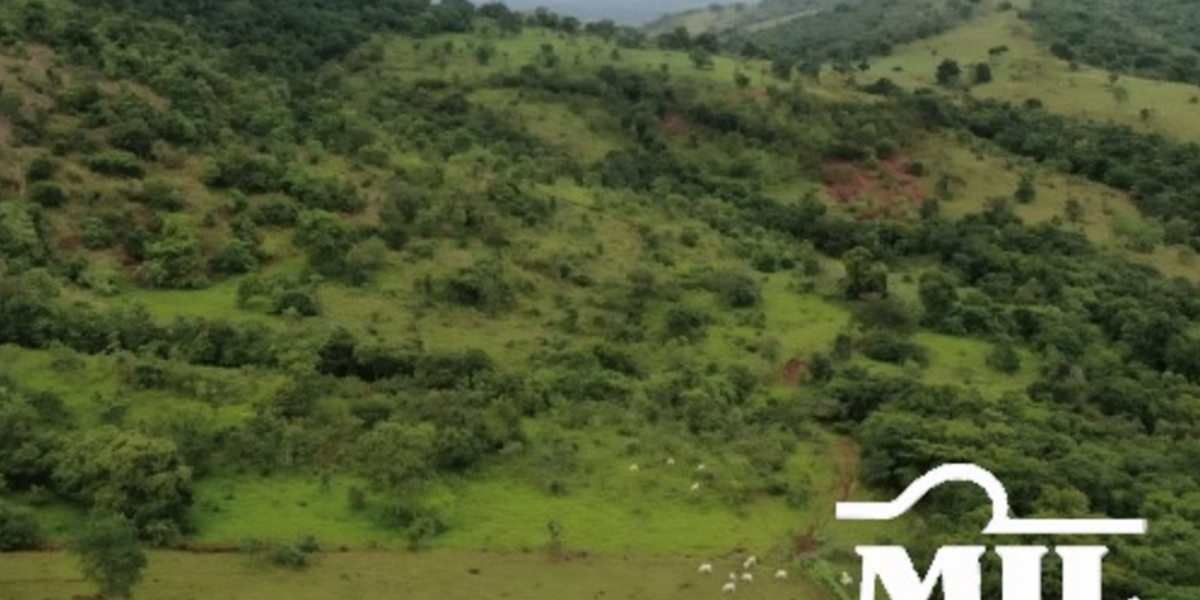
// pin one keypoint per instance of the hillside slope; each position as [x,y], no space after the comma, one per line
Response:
[454,279]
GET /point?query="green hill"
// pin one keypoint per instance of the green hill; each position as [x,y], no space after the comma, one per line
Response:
[1155,39]
[396,275]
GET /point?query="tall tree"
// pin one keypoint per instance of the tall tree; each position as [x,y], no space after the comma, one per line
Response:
[110,555]
[864,274]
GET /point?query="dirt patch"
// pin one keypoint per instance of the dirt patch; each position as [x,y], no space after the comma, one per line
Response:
[846,461]
[880,190]
[794,372]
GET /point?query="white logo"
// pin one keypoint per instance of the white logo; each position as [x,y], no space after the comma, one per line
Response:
[958,566]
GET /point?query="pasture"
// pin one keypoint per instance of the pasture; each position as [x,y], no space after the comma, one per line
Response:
[438,575]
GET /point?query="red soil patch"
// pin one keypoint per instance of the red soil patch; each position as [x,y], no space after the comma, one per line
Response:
[794,372]
[885,190]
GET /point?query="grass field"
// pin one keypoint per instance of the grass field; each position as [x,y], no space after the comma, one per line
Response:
[1028,70]
[986,173]
[438,575]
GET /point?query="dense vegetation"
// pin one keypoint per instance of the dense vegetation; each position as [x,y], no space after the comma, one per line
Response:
[281,153]
[848,33]
[1153,38]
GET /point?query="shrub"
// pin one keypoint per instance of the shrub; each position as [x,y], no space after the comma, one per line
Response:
[19,529]
[890,347]
[291,556]
[116,164]
[47,194]
[41,168]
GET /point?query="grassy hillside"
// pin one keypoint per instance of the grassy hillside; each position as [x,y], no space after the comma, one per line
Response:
[440,281]
[848,32]
[1028,69]
[719,18]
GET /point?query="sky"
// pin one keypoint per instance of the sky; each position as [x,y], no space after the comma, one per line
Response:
[625,12]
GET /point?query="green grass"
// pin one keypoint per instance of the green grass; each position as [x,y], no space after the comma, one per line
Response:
[607,509]
[1028,70]
[428,58]
[438,575]
[284,508]
[988,173]
[962,361]
[555,123]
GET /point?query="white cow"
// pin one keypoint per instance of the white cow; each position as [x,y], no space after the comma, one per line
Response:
[701,467]
[633,468]
[695,486]
[670,461]
[705,568]
[728,588]
[781,574]
[732,576]
[846,579]
[750,562]
[747,577]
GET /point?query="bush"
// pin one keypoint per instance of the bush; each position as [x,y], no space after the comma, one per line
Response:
[19,529]
[1004,357]
[298,301]
[160,196]
[116,164]
[890,347]
[96,234]
[47,194]
[278,211]
[291,556]
[41,168]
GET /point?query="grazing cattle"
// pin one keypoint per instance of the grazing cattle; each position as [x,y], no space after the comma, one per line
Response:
[747,577]
[781,574]
[701,467]
[732,576]
[670,461]
[728,588]
[705,568]
[750,562]
[695,486]
[633,468]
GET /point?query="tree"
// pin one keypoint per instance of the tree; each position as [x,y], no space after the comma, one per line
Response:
[394,456]
[864,274]
[484,53]
[176,259]
[1177,231]
[1004,357]
[1074,210]
[110,555]
[1026,192]
[19,529]
[782,68]
[948,72]
[364,259]
[983,73]
[325,238]
[701,58]
[939,297]
[127,473]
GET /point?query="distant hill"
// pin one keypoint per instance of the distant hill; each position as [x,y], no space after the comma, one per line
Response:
[852,31]
[624,12]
